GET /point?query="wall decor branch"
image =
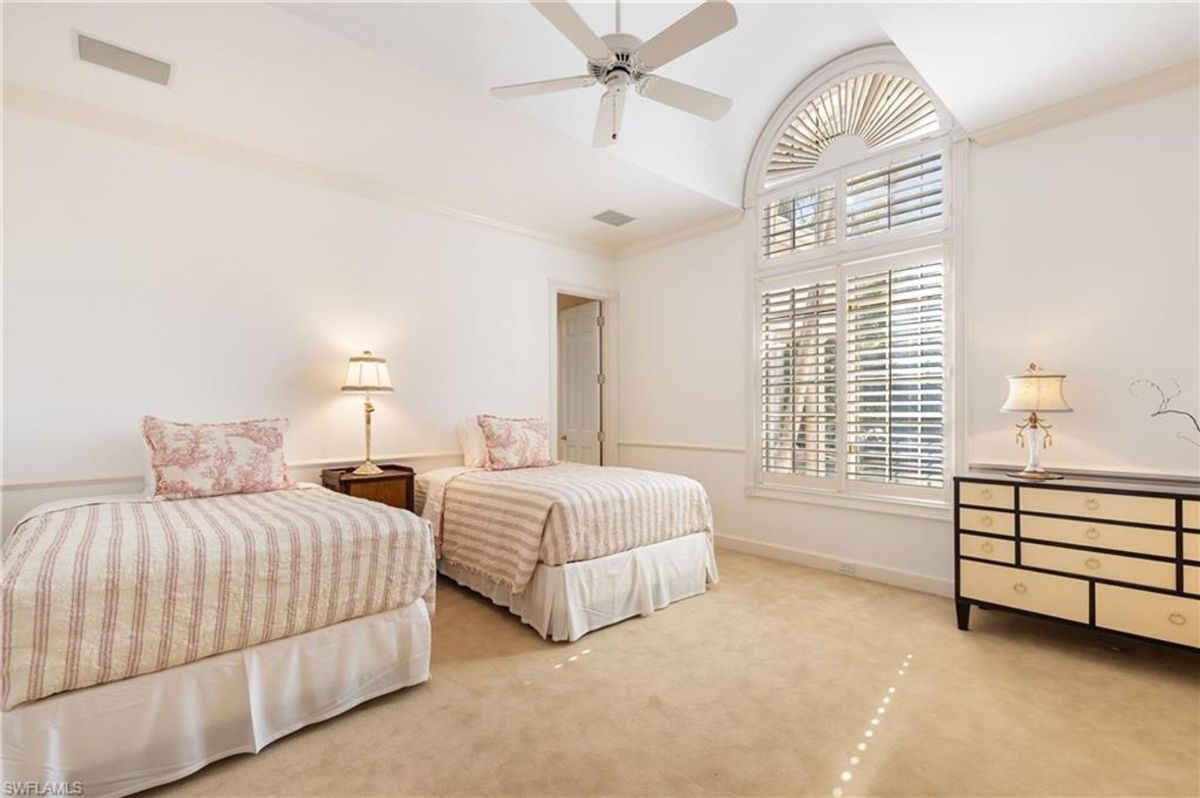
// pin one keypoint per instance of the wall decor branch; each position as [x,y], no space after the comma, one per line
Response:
[1164,405]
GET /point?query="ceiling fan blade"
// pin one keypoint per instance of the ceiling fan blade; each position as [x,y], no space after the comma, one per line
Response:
[562,16]
[608,120]
[542,87]
[684,97]
[705,22]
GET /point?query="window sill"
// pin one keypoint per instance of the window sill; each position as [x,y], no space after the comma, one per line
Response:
[912,508]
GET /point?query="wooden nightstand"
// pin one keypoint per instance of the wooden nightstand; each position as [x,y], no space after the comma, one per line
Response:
[393,487]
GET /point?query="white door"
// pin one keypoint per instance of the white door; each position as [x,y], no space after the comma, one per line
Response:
[579,384]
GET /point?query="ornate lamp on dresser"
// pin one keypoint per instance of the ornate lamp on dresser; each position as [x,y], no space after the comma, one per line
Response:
[1119,555]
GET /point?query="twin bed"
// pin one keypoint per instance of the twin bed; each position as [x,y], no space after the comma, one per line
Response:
[571,548]
[143,639]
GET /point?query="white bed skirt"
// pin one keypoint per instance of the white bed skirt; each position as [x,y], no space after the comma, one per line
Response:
[124,736]
[565,602]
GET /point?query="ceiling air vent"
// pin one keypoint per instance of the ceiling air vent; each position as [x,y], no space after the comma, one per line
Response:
[141,66]
[615,218]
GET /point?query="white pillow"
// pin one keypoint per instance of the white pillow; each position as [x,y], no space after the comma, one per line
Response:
[472,443]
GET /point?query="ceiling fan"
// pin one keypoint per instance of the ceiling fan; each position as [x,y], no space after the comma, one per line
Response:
[620,60]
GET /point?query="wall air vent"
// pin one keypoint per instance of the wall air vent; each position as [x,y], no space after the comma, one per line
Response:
[615,218]
[141,66]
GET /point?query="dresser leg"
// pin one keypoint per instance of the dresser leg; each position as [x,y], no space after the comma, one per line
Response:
[963,608]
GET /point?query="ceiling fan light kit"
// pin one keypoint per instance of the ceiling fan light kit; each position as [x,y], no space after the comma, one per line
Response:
[621,60]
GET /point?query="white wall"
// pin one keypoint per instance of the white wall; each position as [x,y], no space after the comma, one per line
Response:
[1084,258]
[1082,254]
[140,280]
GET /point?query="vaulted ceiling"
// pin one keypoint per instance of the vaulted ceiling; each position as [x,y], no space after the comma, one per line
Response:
[396,93]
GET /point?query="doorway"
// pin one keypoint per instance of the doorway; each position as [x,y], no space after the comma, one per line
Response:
[581,378]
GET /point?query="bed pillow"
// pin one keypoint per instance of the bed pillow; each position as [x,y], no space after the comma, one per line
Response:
[516,442]
[472,443]
[189,461]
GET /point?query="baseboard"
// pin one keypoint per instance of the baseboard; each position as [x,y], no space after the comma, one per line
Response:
[872,573]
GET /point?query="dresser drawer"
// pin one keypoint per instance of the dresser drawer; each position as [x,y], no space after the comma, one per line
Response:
[1103,506]
[987,548]
[994,522]
[1172,618]
[1102,566]
[1159,542]
[1191,546]
[1191,579]
[1191,515]
[982,494]
[1060,596]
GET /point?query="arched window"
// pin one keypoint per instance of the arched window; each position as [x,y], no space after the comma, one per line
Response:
[849,183]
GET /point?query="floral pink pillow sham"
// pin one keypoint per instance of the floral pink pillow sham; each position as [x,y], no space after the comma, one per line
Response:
[189,461]
[516,442]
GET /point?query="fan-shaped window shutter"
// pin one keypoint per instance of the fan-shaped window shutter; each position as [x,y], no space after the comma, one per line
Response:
[895,366]
[881,109]
[900,194]
[799,380]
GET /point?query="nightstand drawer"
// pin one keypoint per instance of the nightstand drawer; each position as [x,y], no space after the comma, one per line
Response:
[1102,566]
[984,495]
[1104,506]
[1159,542]
[994,522]
[987,548]
[1059,596]
[1172,618]
[1191,515]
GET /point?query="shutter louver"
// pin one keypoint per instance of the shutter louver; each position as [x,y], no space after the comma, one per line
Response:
[802,221]
[897,195]
[799,380]
[895,376]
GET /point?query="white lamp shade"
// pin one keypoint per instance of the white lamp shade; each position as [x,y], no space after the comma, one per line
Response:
[367,374]
[1036,393]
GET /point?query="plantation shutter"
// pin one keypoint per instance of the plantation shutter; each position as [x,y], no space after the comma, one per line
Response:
[900,194]
[805,220]
[799,380]
[895,375]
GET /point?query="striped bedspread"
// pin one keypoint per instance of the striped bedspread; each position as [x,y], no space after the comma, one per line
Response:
[502,523]
[113,589]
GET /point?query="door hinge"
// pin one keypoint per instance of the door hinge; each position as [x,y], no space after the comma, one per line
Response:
[600,436]
[599,321]
[601,378]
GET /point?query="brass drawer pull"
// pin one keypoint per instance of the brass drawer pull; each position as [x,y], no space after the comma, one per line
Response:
[985,494]
[1092,563]
[1091,504]
[1092,533]
[1019,588]
[986,520]
[986,546]
[1177,618]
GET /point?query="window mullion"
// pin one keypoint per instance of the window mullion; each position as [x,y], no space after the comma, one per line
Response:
[841,461]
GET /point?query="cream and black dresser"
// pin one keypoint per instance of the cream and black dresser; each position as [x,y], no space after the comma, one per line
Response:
[1121,556]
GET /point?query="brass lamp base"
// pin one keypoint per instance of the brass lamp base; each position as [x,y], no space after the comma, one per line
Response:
[368,469]
[1035,475]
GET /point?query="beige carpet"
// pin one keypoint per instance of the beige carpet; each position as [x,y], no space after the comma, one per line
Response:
[764,686]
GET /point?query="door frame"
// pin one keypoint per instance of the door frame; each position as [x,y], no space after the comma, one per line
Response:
[609,303]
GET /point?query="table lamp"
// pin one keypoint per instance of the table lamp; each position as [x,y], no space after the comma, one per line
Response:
[367,374]
[1035,392]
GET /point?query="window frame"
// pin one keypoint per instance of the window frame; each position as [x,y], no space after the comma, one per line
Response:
[842,257]
[766,483]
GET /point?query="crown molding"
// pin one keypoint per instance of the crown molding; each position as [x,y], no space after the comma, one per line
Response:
[721,221]
[1144,87]
[18,97]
